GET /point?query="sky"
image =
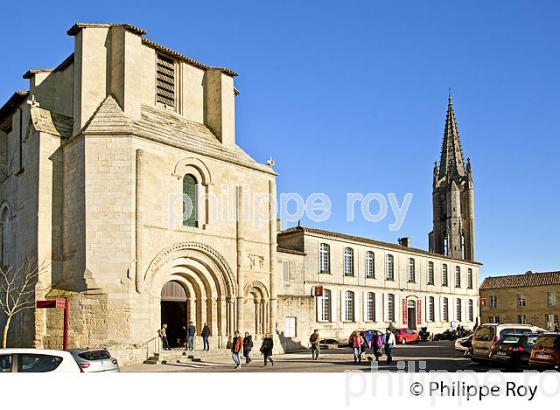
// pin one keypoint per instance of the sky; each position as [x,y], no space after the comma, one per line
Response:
[351,97]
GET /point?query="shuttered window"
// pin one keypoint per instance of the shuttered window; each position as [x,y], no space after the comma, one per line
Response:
[324,258]
[348,262]
[165,80]
[430,273]
[445,309]
[189,201]
[370,265]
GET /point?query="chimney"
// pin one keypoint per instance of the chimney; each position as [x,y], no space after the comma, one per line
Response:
[219,105]
[404,241]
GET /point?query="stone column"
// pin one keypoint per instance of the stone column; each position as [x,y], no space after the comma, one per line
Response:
[138,272]
[273,307]
[239,240]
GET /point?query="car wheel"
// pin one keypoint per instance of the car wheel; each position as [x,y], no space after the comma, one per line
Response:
[403,342]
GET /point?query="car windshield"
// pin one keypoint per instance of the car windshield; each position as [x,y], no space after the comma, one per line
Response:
[484,334]
[510,339]
[516,330]
[95,355]
[547,342]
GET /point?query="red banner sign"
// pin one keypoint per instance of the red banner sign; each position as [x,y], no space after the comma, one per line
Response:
[404,312]
[318,291]
[482,301]
[419,312]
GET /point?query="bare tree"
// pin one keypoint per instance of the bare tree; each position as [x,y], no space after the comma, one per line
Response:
[17,291]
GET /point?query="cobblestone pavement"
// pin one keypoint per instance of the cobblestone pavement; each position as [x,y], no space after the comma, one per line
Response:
[424,356]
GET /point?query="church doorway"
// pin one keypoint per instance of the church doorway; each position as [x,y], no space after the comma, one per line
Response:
[411,315]
[175,312]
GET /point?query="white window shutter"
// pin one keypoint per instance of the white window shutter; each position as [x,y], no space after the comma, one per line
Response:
[385,312]
[333,305]
[378,307]
[356,304]
[317,307]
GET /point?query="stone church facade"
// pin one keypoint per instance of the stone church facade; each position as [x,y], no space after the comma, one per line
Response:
[121,177]
[96,158]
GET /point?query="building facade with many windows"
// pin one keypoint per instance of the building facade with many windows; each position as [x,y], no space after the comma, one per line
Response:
[524,298]
[338,283]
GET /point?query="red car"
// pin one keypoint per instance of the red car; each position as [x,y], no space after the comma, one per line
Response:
[546,352]
[404,336]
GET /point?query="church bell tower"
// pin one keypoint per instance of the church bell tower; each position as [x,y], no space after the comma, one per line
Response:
[453,197]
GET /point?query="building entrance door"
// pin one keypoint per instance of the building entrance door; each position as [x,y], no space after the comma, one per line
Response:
[175,312]
[411,314]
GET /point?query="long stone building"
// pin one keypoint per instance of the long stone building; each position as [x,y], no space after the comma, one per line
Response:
[120,175]
[524,298]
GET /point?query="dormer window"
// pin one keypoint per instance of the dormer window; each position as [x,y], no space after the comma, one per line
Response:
[165,81]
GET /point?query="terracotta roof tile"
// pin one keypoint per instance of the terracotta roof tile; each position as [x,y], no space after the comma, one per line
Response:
[361,239]
[522,280]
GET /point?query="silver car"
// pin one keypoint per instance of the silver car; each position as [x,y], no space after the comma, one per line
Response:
[95,360]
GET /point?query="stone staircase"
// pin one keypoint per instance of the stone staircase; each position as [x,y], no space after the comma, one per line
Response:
[182,356]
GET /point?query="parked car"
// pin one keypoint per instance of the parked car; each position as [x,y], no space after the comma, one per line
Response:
[546,352]
[513,350]
[37,361]
[95,360]
[404,336]
[464,344]
[328,344]
[489,333]
[445,335]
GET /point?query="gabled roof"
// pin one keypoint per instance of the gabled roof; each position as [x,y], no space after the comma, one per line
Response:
[75,29]
[167,128]
[522,280]
[451,162]
[368,241]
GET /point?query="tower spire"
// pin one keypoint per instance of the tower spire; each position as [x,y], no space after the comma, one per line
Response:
[453,196]
[451,163]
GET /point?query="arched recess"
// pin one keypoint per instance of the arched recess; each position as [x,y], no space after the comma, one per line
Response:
[256,309]
[5,233]
[198,169]
[206,276]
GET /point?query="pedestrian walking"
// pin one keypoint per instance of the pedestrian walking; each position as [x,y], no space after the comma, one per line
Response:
[266,349]
[247,347]
[163,336]
[182,337]
[356,341]
[236,346]
[390,342]
[191,331]
[376,345]
[205,335]
[314,340]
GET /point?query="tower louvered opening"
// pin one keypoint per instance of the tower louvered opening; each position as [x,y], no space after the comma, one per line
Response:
[165,80]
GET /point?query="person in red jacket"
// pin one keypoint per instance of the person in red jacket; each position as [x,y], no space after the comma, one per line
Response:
[356,342]
[236,346]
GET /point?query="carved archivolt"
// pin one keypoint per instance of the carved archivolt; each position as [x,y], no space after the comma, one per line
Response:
[178,250]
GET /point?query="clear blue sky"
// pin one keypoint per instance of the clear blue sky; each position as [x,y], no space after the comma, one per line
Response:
[352,98]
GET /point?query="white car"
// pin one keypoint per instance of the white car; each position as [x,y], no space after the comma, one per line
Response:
[37,361]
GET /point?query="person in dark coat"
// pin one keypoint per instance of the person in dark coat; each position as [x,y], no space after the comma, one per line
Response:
[266,349]
[205,335]
[247,347]
[191,331]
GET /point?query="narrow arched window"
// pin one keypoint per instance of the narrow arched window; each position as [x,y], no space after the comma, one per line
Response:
[348,262]
[349,306]
[324,258]
[190,201]
[370,265]
[389,267]
[4,240]
[411,270]
[324,306]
